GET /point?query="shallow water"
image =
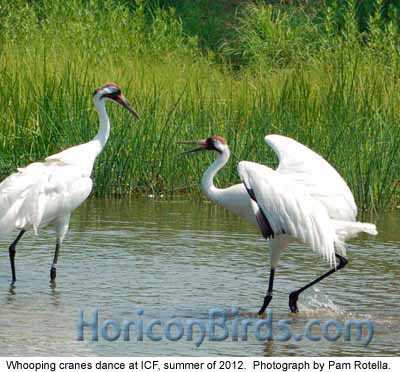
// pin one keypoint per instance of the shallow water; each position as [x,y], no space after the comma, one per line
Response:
[179,259]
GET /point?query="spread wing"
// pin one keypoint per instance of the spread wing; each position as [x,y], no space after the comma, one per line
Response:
[289,208]
[40,193]
[305,167]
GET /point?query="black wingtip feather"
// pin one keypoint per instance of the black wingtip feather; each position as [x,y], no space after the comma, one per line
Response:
[262,220]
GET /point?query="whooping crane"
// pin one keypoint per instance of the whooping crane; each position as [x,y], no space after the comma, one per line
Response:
[304,199]
[47,192]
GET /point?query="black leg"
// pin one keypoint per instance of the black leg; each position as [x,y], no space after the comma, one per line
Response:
[293,297]
[53,270]
[12,251]
[268,296]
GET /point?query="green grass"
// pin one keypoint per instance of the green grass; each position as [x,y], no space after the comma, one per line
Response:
[311,75]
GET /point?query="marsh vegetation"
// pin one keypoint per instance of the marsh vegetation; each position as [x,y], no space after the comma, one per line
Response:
[325,74]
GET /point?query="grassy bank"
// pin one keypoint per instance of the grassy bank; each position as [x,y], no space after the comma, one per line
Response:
[312,75]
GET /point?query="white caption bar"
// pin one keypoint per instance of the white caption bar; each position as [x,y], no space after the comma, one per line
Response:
[286,364]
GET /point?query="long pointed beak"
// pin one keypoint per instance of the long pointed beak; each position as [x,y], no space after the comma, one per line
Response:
[201,146]
[124,102]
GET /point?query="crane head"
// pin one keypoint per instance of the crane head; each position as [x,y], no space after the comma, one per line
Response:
[112,92]
[214,143]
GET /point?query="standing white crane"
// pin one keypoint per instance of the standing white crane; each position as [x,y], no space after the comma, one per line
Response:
[47,192]
[304,199]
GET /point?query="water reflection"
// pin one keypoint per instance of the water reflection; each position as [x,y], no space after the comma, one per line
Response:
[179,258]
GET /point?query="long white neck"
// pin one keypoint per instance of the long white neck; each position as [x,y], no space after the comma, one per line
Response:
[207,181]
[104,128]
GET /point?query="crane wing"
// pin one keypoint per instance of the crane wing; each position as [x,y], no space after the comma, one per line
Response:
[305,167]
[73,156]
[289,208]
[41,193]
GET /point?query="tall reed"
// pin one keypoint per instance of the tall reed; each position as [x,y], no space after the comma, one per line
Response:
[324,85]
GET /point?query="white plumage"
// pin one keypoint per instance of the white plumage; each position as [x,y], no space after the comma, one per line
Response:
[304,199]
[305,167]
[41,194]
[47,192]
[289,208]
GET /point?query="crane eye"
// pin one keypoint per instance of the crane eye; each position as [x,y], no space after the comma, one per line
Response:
[115,92]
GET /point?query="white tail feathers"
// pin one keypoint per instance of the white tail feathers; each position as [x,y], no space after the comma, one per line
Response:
[347,230]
